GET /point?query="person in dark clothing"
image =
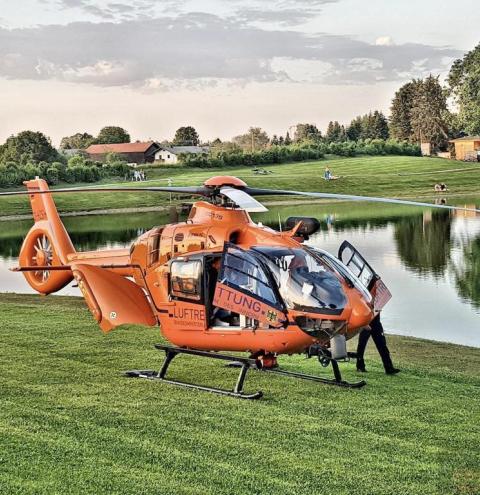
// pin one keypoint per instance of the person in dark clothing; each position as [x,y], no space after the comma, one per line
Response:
[376,332]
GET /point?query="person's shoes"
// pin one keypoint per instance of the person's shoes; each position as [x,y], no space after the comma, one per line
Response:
[392,371]
[361,366]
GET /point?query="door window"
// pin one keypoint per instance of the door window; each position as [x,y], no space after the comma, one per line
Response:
[357,264]
[185,279]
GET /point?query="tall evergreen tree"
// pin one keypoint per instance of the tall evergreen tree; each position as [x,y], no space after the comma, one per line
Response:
[380,126]
[429,111]
[354,130]
[335,132]
[288,139]
[400,112]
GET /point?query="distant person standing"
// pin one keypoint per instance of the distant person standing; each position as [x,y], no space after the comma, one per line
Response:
[376,332]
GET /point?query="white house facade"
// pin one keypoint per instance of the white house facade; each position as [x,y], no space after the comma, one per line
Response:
[170,154]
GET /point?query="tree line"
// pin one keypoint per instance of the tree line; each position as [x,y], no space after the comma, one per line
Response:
[30,154]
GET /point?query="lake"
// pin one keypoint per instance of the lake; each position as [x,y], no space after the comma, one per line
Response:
[430,260]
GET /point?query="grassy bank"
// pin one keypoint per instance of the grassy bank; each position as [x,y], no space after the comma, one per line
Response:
[394,176]
[70,423]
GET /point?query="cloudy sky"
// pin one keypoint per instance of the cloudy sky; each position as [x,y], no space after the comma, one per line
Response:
[220,65]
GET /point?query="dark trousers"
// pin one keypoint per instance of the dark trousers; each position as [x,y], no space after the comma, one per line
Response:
[378,337]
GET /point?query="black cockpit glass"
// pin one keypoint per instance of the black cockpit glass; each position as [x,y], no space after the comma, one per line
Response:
[304,281]
[243,271]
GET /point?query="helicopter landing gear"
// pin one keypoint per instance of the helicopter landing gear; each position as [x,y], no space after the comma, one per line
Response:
[172,352]
[337,380]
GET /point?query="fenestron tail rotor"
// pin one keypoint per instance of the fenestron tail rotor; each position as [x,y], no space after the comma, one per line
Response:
[43,257]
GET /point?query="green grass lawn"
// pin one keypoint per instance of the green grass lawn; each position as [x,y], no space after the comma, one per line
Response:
[70,423]
[394,176]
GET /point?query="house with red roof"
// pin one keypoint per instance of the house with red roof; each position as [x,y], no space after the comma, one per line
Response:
[133,153]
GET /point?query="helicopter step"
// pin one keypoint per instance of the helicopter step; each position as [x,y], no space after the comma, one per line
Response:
[172,352]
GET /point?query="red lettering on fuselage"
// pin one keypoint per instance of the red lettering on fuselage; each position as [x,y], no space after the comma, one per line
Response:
[188,313]
[243,304]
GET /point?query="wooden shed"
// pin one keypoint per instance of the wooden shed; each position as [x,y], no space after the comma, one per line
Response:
[467,148]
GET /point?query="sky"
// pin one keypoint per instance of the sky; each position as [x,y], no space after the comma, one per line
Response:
[222,66]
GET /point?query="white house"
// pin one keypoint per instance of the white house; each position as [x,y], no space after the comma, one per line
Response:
[169,154]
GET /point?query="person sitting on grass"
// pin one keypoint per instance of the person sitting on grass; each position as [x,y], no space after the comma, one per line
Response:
[329,176]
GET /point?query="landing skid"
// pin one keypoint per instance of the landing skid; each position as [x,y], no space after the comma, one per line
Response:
[329,381]
[171,352]
[337,380]
[238,362]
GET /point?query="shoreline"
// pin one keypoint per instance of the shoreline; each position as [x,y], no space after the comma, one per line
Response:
[163,208]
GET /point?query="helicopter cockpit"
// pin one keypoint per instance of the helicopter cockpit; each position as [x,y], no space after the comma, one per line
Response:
[305,283]
[278,278]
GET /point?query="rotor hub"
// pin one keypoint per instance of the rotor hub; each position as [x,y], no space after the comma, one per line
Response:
[224,180]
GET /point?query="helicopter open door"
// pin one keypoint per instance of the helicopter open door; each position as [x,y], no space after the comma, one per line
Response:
[367,276]
[245,287]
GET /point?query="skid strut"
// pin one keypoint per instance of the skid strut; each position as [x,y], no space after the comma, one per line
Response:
[171,352]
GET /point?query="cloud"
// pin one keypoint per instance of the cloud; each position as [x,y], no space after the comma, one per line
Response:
[118,10]
[199,49]
[283,12]
[384,41]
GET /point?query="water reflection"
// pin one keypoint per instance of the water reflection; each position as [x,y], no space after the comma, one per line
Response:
[424,242]
[467,273]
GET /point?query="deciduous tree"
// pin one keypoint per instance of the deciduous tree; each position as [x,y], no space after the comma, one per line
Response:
[255,139]
[112,135]
[28,146]
[78,141]
[186,136]
[307,132]
[464,84]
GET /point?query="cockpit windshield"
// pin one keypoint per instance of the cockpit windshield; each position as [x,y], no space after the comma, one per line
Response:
[305,283]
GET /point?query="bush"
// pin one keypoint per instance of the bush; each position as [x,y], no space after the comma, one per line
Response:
[52,175]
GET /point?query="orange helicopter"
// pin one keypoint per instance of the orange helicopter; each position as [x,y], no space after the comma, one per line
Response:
[216,282]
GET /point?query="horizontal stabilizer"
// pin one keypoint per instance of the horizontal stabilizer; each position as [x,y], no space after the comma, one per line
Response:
[112,299]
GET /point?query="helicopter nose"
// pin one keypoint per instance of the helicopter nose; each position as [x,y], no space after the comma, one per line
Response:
[362,313]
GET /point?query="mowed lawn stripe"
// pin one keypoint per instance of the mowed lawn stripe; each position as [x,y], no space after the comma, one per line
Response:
[70,423]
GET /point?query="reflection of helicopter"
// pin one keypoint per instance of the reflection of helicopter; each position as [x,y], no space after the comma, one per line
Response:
[217,282]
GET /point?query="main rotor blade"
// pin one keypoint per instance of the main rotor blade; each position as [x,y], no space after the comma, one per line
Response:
[201,191]
[243,200]
[352,197]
